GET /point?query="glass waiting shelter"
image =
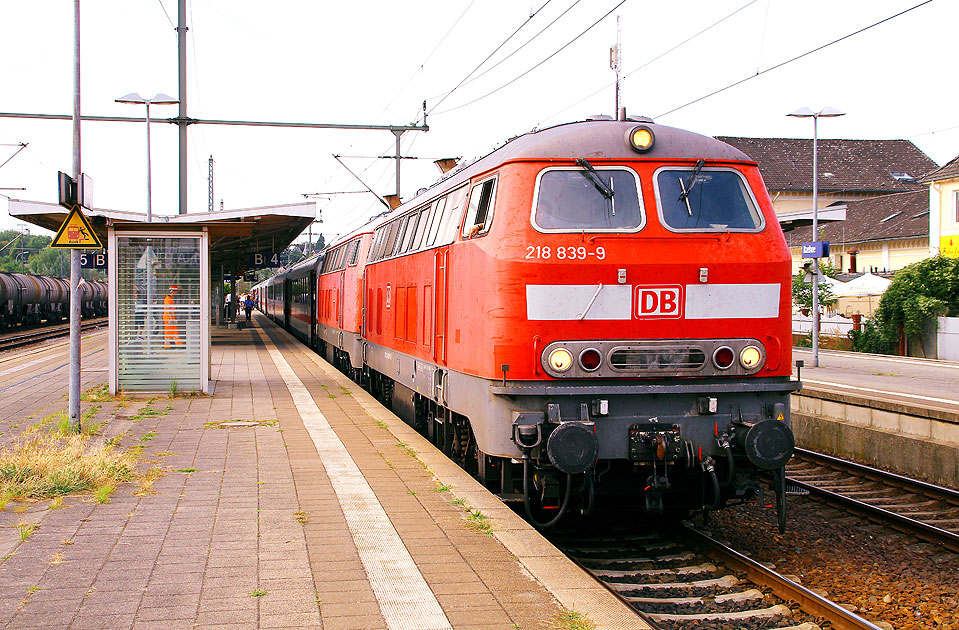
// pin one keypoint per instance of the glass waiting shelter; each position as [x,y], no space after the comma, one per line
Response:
[161,287]
[156,302]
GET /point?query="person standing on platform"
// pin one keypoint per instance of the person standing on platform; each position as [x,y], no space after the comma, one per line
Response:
[248,307]
[171,333]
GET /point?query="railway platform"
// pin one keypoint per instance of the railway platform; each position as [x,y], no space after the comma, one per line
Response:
[288,498]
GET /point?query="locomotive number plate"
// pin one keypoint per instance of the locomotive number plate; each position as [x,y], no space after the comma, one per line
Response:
[643,441]
[565,253]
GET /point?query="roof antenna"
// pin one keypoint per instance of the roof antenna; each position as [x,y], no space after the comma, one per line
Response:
[615,63]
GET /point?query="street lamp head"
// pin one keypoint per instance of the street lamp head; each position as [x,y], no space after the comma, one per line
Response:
[802,112]
[825,112]
[132,97]
[830,112]
[135,99]
[163,99]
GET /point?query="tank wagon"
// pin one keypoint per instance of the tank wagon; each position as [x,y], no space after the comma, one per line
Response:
[598,308]
[28,300]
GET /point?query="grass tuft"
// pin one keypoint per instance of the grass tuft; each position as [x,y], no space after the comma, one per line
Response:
[257,593]
[571,620]
[46,466]
[102,493]
[25,529]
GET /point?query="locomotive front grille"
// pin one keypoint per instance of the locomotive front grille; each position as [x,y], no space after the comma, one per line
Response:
[654,359]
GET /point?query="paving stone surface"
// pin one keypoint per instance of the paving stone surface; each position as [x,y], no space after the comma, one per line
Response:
[235,526]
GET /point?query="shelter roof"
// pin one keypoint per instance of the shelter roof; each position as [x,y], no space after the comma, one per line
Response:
[234,234]
[849,166]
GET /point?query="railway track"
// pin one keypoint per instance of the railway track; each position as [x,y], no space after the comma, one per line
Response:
[684,579]
[925,510]
[18,340]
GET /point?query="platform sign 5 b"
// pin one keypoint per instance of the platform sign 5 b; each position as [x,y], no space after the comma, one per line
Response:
[260,260]
[93,260]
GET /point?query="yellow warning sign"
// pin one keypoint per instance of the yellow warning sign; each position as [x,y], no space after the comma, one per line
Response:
[780,417]
[949,245]
[76,233]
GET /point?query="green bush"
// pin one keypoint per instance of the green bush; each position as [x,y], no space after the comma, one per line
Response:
[921,291]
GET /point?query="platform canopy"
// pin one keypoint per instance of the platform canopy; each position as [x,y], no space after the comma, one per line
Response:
[233,234]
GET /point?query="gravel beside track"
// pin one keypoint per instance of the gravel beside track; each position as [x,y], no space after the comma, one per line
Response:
[891,579]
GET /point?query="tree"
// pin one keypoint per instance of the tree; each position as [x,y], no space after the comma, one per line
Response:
[802,294]
[920,292]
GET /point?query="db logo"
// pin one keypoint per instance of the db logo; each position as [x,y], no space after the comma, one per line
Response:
[659,301]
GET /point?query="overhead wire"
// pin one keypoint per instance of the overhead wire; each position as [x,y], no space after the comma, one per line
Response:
[796,58]
[521,47]
[515,79]
[654,59]
[489,56]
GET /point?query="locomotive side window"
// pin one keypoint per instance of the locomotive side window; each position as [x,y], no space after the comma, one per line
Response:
[354,251]
[410,232]
[421,226]
[454,211]
[593,199]
[436,218]
[706,199]
[479,214]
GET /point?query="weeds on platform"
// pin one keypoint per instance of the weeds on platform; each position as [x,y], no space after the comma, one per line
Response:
[49,465]
[570,620]
[478,522]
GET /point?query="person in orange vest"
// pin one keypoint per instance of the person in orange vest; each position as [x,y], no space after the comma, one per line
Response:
[171,333]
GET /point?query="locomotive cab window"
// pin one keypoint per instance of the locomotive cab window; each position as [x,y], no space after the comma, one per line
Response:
[479,214]
[705,200]
[595,199]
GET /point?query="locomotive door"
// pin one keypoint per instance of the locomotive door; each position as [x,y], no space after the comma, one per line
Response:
[312,308]
[287,299]
[440,274]
[340,300]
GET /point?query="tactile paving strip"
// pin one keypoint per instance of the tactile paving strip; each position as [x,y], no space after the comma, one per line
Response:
[404,598]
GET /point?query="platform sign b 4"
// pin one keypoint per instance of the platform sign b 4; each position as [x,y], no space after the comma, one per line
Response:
[76,233]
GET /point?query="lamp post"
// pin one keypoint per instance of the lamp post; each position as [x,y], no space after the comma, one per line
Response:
[825,112]
[159,99]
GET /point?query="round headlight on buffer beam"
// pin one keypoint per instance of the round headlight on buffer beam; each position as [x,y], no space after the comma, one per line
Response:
[750,357]
[560,359]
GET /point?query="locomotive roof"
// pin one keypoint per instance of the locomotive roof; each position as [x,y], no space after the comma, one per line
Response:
[591,139]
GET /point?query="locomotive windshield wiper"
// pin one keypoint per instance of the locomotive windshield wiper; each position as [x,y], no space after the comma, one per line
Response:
[593,175]
[684,196]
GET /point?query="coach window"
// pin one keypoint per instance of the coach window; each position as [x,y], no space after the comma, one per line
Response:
[596,199]
[706,200]
[479,214]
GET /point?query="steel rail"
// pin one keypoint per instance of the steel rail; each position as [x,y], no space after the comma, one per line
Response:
[811,603]
[922,530]
[18,341]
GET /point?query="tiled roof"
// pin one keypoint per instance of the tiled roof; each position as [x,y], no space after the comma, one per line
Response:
[949,171]
[900,215]
[852,166]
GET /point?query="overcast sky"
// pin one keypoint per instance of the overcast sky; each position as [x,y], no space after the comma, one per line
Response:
[376,61]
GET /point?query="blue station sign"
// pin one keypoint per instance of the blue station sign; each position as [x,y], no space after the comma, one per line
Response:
[816,249]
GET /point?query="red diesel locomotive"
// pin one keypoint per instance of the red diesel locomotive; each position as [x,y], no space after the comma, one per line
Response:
[596,308]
